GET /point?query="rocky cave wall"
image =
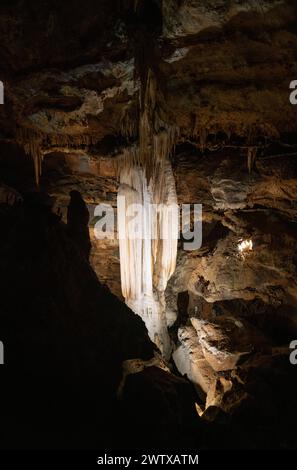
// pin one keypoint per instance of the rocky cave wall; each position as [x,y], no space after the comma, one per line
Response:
[224,69]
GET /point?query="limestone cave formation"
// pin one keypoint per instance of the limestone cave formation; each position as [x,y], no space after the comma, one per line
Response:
[138,343]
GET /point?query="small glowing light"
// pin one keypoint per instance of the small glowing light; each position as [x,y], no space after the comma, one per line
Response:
[245,245]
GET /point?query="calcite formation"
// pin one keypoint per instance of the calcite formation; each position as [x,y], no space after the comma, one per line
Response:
[161,102]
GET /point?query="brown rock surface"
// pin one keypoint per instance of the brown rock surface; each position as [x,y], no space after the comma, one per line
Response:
[223,70]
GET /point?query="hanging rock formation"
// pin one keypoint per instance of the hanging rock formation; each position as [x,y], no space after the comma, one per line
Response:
[100,101]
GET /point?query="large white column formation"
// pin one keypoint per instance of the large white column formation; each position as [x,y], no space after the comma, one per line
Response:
[146,178]
[148,244]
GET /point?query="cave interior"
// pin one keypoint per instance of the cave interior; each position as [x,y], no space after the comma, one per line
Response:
[140,343]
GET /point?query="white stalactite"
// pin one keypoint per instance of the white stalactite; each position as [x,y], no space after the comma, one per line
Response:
[146,178]
[147,263]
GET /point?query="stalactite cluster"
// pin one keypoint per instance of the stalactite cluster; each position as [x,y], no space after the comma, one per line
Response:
[31,142]
[148,259]
[36,143]
[146,178]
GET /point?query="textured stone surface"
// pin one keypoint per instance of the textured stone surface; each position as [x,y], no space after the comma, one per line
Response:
[223,71]
[190,360]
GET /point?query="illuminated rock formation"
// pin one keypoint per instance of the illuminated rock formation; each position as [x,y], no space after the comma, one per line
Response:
[148,246]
